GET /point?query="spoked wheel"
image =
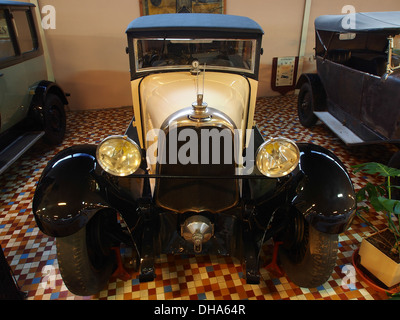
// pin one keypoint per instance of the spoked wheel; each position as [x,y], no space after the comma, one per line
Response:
[305,106]
[86,259]
[308,256]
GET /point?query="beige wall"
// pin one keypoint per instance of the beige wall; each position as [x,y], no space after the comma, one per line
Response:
[87,48]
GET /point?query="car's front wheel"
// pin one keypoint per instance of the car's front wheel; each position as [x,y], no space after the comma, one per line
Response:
[308,256]
[86,259]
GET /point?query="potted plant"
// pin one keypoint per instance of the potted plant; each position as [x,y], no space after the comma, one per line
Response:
[380,253]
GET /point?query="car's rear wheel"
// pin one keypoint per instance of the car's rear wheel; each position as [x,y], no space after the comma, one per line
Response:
[86,260]
[305,106]
[54,120]
[308,256]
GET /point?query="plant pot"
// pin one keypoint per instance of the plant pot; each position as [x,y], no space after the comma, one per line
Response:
[380,264]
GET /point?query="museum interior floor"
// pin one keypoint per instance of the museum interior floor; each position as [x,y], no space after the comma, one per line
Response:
[28,251]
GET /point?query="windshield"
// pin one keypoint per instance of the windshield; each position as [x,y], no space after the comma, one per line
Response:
[155,54]
[396,52]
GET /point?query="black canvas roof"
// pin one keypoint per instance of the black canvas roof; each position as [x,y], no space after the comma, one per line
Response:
[364,22]
[194,21]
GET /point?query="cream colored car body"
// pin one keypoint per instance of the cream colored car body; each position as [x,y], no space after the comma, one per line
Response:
[166,93]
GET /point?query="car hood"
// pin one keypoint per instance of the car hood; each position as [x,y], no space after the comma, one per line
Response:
[164,94]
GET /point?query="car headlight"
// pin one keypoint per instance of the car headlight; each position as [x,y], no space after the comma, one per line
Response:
[277,157]
[119,156]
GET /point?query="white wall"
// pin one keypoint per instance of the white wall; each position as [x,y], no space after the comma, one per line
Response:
[87,48]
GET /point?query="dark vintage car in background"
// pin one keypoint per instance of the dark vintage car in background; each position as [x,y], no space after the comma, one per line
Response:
[356,90]
[192,174]
[31,102]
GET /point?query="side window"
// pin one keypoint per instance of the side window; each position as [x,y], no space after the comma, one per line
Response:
[6,45]
[26,34]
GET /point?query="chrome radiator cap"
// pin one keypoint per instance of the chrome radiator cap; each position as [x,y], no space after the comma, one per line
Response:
[197,229]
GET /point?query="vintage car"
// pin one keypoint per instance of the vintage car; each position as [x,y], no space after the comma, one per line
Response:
[355,91]
[31,103]
[192,174]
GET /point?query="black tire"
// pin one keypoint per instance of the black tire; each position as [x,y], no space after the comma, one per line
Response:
[309,260]
[305,106]
[85,258]
[54,120]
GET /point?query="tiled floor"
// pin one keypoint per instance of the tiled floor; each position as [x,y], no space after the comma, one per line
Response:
[32,255]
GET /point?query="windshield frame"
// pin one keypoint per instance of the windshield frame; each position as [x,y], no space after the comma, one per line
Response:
[188,66]
[200,36]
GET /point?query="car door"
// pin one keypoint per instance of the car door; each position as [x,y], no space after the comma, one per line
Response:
[344,87]
[380,109]
[21,64]
[8,100]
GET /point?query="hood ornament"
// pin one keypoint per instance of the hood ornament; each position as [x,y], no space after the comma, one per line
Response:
[200,108]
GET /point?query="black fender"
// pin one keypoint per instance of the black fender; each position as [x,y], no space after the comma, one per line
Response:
[326,195]
[318,91]
[68,193]
[43,89]
[46,87]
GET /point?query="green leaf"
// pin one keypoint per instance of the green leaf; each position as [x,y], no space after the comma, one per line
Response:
[376,204]
[392,206]
[361,195]
[370,191]
[377,168]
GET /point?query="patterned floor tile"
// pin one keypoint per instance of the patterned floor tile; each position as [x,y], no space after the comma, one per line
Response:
[32,255]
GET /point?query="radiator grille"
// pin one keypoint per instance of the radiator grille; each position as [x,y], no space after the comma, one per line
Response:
[211,154]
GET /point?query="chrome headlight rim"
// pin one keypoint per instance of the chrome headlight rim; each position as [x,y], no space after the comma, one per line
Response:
[282,173]
[110,170]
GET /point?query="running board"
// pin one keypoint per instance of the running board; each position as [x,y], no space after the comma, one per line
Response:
[344,133]
[17,148]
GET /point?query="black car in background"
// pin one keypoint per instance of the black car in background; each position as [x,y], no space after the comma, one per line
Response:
[356,90]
